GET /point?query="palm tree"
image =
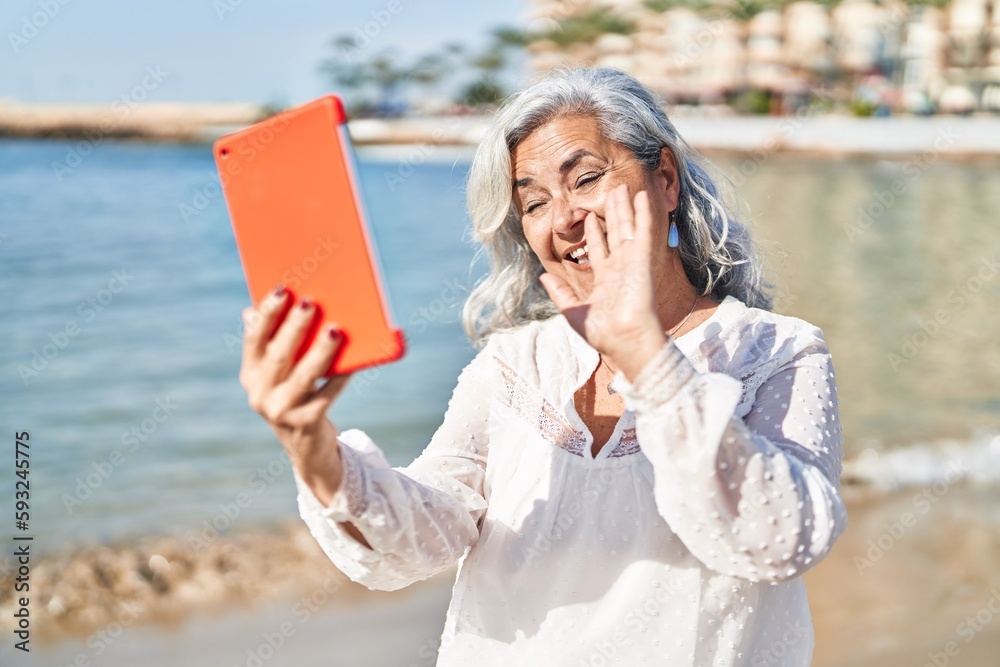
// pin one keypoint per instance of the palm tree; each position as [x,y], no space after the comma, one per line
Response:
[345,75]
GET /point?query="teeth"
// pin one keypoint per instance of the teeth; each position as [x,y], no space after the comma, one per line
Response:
[578,252]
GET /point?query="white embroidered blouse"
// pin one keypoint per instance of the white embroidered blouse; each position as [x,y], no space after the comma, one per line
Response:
[681,543]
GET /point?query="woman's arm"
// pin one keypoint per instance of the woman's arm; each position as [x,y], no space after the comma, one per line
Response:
[284,392]
[385,528]
[757,497]
[415,521]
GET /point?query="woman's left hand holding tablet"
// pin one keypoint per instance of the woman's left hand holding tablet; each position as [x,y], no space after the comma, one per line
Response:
[285,393]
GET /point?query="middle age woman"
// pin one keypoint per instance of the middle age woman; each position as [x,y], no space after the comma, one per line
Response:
[641,461]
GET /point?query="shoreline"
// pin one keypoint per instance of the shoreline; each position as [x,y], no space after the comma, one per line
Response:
[826,136]
[153,122]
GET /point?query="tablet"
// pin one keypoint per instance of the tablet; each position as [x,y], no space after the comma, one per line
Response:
[296,210]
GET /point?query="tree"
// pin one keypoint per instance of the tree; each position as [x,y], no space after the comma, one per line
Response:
[368,84]
[666,5]
[376,83]
[583,27]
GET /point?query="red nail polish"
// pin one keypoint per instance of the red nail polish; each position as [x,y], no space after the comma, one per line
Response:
[279,290]
[335,333]
[306,304]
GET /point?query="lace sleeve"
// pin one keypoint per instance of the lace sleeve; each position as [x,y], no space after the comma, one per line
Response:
[757,497]
[419,519]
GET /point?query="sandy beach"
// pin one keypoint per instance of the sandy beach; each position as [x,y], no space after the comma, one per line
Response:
[913,579]
[901,585]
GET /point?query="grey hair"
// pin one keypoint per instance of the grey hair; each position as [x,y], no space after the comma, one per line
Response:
[716,251]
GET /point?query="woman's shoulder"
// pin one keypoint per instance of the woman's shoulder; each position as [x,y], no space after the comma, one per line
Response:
[753,344]
[738,338]
[787,326]
[535,347]
[530,334]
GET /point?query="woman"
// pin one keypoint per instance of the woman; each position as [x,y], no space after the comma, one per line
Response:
[642,459]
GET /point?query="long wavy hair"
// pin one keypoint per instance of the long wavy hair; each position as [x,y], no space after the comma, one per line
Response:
[716,250]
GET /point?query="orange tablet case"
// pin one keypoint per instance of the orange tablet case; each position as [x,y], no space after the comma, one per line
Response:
[296,211]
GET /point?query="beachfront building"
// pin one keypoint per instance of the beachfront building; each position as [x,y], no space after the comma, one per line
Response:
[873,57]
[922,60]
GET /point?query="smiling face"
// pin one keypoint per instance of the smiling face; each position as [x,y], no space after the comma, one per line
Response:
[564,170]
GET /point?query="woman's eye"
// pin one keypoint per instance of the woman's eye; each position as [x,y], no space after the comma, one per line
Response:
[588,178]
[532,206]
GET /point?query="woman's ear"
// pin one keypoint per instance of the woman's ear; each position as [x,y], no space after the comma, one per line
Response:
[668,171]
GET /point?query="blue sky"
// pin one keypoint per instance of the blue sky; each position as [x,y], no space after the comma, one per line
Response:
[213,50]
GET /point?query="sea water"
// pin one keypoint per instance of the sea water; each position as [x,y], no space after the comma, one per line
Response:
[122,291]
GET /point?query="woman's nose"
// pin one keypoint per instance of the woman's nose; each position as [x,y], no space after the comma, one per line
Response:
[568,218]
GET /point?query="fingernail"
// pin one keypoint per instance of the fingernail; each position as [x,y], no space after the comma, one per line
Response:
[306,304]
[279,290]
[334,332]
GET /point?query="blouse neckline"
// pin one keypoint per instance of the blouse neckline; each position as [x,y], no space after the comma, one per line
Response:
[588,359]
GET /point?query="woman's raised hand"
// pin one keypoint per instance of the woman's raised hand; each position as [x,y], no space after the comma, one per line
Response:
[618,317]
[284,392]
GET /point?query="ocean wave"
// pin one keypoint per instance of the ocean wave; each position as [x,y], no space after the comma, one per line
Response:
[976,461]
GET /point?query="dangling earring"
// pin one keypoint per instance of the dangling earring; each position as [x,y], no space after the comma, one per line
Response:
[673,240]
